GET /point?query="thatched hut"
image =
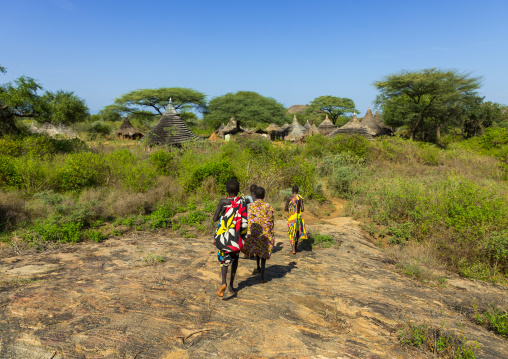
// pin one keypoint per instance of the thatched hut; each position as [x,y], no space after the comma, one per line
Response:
[307,125]
[171,130]
[326,127]
[127,131]
[371,124]
[285,129]
[353,126]
[233,127]
[295,135]
[273,131]
[296,124]
[313,130]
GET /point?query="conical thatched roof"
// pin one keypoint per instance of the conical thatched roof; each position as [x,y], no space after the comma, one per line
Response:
[326,127]
[353,126]
[285,129]
[313,130]
[307,125]
[170,130]
[296,124]
[295,135]
[376,116]
[221,127]
[371,124]
[386,130]
[273,128]
[127,131]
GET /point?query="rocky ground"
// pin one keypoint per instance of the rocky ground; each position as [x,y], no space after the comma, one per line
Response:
[117,299]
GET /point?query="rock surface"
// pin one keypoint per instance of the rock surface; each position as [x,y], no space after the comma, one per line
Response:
[117,300]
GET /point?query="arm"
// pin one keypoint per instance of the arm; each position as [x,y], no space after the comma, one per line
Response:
[223,202]
[300,205]
[286,207]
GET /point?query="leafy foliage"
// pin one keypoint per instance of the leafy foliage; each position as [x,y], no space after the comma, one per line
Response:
[335,107]
[249,108]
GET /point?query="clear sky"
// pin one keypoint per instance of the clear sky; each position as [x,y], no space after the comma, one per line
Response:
[293,51]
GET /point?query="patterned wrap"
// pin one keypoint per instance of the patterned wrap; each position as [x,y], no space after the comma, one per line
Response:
[232,227]
[260,237]
[295,221]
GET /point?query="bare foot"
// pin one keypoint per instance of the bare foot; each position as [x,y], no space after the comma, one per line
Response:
[293,252]
[262,280]
[255,271]
[220,293]
[231,290]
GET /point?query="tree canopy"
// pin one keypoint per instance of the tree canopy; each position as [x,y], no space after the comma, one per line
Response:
[155,100]
[21,99]
[335,107]
[250,108]
[426,100]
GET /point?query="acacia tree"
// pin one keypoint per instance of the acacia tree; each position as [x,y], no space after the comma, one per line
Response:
[21,99]
[155,100]
[335,107]
[426,98]
[250,108]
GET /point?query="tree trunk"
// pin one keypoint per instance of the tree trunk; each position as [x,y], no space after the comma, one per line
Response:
[438,133]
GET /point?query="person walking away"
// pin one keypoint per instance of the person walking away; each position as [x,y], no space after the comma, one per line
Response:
[296,226]
[260,236]
[231,212]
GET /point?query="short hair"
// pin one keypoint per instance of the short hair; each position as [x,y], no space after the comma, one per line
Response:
[295,189]
[233,186]
[252,188]
[259,192]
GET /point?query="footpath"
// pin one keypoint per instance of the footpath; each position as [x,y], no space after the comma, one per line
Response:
[154,296]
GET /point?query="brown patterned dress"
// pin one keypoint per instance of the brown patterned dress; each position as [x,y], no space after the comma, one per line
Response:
[260,237]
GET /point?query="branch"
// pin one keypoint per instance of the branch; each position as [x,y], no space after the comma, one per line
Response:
[191,334]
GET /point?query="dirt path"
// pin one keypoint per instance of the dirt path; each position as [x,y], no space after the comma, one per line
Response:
[116,300]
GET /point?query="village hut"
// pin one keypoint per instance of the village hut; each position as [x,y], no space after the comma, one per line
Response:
[307,125]
[221,127]
[214,137]
[326,127]
[352,127]
[313,130]
[370,123]
[297,109]
[296,124]
[285,129]
[273,131]
[233,127]
[127,131]
[386,130]
[295,135]
[171,130]
[33,128]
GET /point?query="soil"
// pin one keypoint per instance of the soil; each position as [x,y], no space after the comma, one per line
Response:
[147,295]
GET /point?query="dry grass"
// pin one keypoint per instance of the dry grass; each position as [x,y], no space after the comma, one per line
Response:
[12,210]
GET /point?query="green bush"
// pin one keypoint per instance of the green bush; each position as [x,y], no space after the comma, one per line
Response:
[221,171]
[140,177]
[341,180]
[350,143]
[95,235]
[316,146]
[9,177]
[82,170]
[161,217]
[162,161]
[54,232]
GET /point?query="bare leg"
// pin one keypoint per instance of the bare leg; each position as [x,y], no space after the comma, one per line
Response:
[296,241]
[256,271]
[224,273]
[234,266]
[262,270]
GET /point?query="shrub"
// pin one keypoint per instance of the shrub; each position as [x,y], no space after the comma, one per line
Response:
[161,217]
[316,146]
[222,172]
[139,178]
[341,180]
[162,161]
[350,143]
[82,170]
[493,318]
[9,177]
[55,232]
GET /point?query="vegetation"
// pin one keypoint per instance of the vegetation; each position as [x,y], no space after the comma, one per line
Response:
[334,107]
[427,101]
[248,107]
[436,340]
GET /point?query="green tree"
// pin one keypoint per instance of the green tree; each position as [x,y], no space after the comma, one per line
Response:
[155,100]
[21,99]
[250,108]
[63,107]
[335,107]
[430,98]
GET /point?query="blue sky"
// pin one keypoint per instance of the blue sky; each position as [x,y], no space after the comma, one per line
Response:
[292,51]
